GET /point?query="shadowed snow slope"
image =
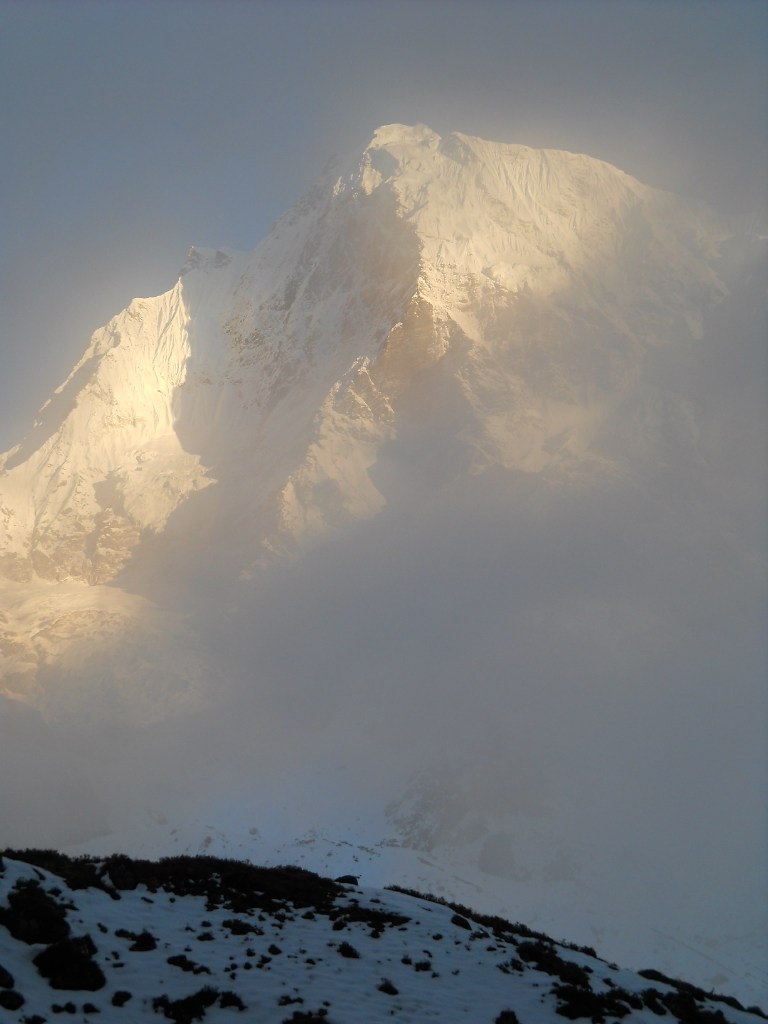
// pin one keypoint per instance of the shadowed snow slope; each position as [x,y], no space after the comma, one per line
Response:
[200,939]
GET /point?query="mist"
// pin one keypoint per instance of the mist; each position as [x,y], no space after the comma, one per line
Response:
[585,662]
[595,673]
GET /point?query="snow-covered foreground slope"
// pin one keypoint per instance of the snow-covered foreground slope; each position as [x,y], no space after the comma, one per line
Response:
[559,888]
[211,940]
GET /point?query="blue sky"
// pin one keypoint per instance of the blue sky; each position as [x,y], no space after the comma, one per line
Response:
[132,130]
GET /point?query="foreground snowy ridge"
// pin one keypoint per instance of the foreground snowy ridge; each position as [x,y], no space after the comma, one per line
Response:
[198,938]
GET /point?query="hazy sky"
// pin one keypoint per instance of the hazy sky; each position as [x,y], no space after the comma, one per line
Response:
[133,130]
[620,643]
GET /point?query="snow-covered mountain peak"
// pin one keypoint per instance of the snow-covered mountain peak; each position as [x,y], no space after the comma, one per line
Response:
[529,287]
[403,135]
[541,221]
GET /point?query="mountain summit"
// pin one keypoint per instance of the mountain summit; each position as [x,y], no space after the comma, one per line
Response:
[529,287]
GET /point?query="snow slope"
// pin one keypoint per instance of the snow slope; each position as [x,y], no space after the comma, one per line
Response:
[285,945]
[558,885]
